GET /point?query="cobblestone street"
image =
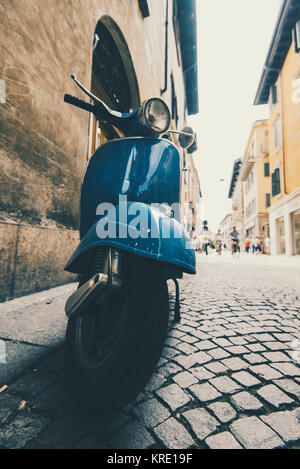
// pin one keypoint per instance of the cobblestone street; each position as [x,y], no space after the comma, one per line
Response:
[229,376]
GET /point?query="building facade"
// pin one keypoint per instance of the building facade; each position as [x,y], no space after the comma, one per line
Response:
[126,51]
[256,186]
[226,226]
[280,88]
[237,196]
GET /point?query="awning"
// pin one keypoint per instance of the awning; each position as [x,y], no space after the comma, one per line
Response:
[280,45]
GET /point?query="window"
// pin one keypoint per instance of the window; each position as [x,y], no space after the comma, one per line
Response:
[268,200]
[296,34]
[267,169]
[276,182]
[277,135]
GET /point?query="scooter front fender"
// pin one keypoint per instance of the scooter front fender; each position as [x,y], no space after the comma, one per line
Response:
[157,237]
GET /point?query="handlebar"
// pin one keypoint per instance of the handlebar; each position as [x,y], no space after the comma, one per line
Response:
[79,103]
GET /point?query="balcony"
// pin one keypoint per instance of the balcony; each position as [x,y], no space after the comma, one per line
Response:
[246,167]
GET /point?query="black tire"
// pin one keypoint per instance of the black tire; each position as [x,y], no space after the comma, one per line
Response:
[118,378]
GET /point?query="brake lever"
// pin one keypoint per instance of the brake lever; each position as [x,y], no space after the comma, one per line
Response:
[98,101]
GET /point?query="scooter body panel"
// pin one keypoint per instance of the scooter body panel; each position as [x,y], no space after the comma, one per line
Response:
[142,169]
[162,239]
[128,175]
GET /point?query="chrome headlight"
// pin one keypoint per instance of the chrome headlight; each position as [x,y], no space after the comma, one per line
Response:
[155,115]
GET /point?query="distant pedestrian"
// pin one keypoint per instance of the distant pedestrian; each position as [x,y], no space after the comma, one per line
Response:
[256,245]
[247,245]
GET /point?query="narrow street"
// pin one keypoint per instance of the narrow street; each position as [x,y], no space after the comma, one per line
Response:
[229,376]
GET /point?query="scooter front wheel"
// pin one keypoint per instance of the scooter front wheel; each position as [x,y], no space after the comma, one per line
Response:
[110,357]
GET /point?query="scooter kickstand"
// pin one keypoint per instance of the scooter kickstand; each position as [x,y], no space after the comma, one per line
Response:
[177,315]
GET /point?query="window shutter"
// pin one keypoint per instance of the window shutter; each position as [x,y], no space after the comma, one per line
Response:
[274,94]
[277,172]
[273,185]
[267,169]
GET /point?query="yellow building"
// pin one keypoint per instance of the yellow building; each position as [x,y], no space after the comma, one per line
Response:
[236,194]
[255,176]
[280,87]
[226,228]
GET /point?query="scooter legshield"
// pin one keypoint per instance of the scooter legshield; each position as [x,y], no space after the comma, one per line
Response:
[139,229]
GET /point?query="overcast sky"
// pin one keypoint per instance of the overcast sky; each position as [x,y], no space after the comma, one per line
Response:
[233,41]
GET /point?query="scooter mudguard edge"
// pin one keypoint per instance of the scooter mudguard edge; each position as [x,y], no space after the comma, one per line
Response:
[157,237]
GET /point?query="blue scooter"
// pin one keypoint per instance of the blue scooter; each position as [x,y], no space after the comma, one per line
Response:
[132,242]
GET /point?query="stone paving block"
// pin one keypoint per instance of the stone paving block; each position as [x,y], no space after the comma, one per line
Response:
[173,435]
[162,361]
[254,358]
[201,358]
[289,386]
[152,413]
[223,440]
[189,339]
[186,362]
[256,347]
[175,333]
[23,428]
[201,422]
[286,424]
[222,342]
[238,340]
[275,345]
[205,392]
[172,342]
[276,357]
[246,379]
[225,385]
[216,367]
[274,395]
[223,411]
[156,381]
[287,369]
[185,379]
[187,348]
[201,373]
[174,396]
[235,364]
[264,337]
[169,369]
[252,433]
[132,436]
[206,345]
[284,337]
[265,372]
[237,350]
[200,335]
[218,353]
[169,352]
[244,401]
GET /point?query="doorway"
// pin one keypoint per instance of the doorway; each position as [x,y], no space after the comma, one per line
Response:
[113,79]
